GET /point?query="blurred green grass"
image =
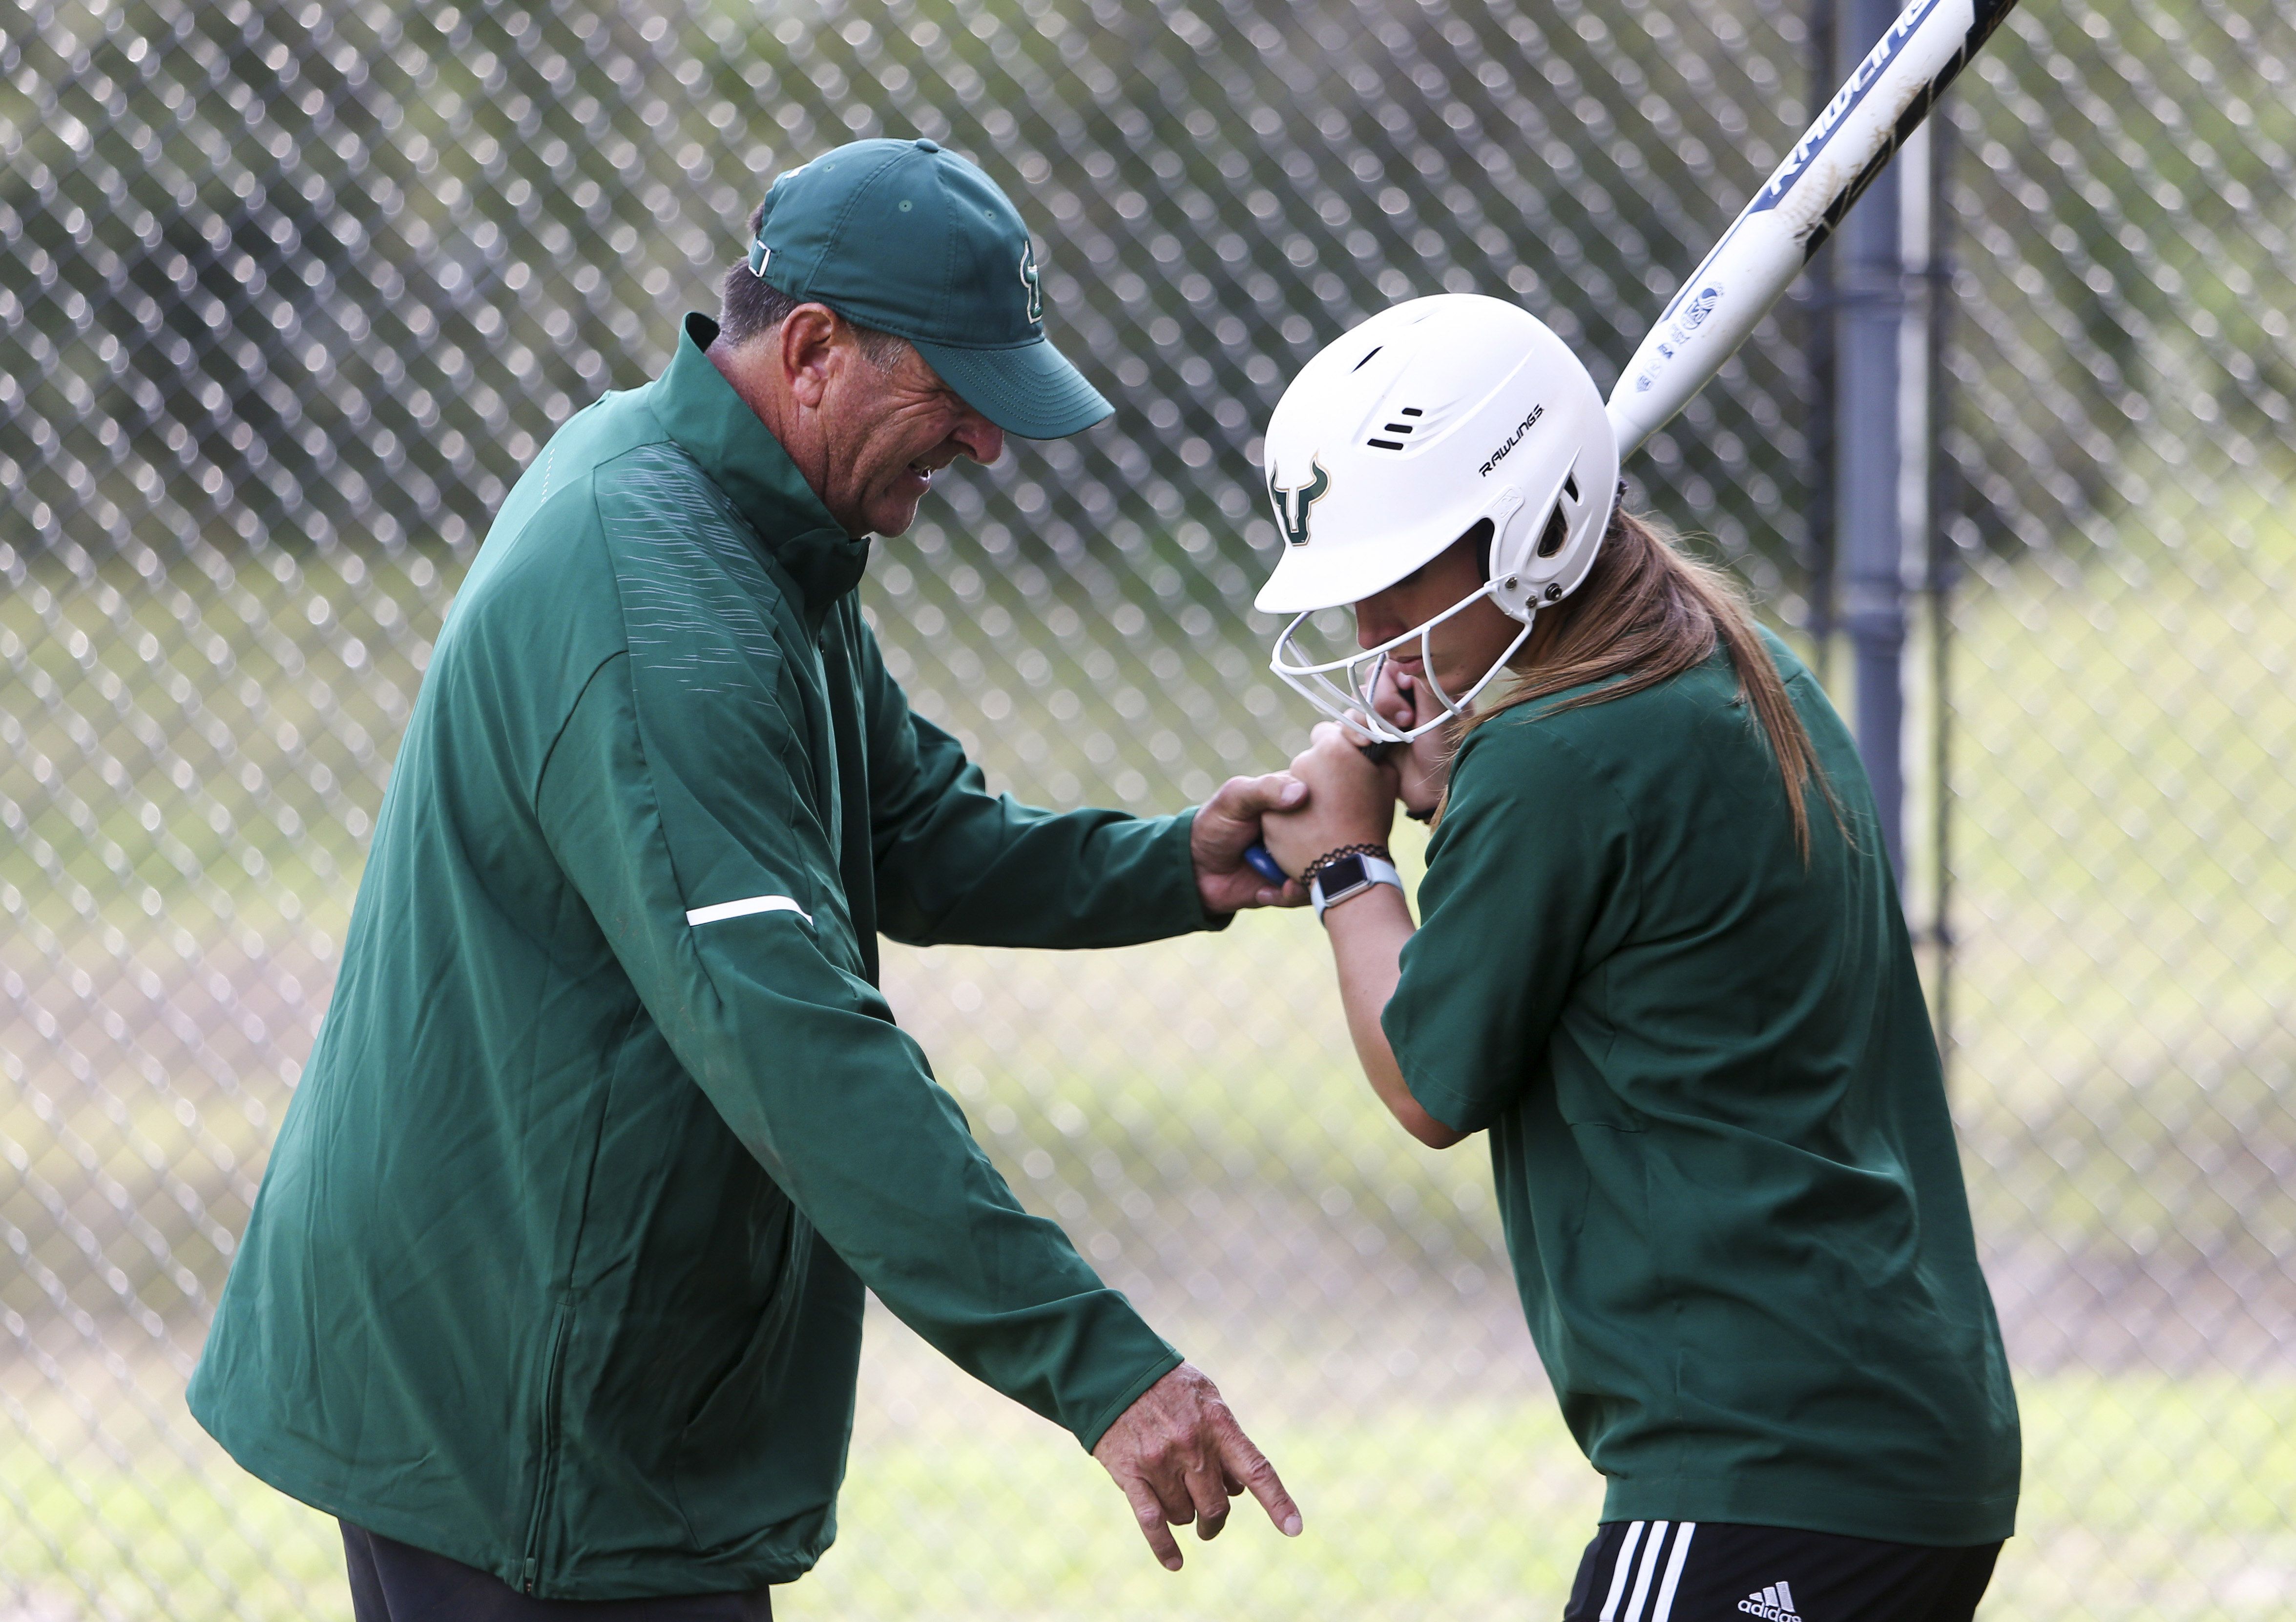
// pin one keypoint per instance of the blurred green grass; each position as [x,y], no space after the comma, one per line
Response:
[2125,799]
[2124,1057]
[202,751]
[2146,1497]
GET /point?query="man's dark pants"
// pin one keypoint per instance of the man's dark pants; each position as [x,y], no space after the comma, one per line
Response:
[393,1582]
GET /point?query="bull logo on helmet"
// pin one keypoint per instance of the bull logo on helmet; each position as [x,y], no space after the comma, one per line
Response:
[1291,505]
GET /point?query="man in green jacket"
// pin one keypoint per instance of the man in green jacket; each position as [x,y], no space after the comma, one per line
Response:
[553,1294]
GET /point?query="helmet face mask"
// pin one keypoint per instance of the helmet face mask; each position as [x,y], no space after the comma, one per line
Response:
[1343,688]
[1401,437]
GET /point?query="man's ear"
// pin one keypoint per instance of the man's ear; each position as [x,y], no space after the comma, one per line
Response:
[809,354]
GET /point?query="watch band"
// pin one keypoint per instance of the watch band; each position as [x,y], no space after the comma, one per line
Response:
[1341,877]
[1307,873]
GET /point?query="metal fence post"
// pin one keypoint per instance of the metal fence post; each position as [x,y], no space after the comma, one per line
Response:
[1869,315]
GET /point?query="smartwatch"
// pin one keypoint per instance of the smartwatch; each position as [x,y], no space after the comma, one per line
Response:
[1349,875]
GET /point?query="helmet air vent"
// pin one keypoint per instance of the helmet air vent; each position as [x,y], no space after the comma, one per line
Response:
[1396,428]
[1366,361]
[1557,532]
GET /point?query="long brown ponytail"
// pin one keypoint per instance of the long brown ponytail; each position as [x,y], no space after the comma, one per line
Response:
[1647,611]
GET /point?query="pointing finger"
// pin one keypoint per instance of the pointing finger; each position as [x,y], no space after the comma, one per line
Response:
[1245,1462]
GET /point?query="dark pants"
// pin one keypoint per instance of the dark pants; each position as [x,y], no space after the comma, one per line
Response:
[1700,1572]
[393,1582]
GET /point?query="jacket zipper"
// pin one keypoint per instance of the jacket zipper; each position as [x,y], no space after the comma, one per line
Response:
[560,1330]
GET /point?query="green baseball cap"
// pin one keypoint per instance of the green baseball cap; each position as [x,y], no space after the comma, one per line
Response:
[913,240]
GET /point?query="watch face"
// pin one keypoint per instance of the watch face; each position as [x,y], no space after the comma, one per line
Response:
[1340,876]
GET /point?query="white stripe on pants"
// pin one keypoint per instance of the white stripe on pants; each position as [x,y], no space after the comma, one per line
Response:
[1619,1572]
[1651,1539]
[1664,1609]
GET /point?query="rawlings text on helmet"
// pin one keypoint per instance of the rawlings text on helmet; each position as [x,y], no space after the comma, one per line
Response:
[1512,439]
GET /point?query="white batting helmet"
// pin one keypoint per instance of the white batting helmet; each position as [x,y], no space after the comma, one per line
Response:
[1398,439]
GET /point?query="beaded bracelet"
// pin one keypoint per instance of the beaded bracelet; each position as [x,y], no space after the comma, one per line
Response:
[1330,857]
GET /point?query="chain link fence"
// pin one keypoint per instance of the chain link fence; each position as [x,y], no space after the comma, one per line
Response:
[2120,770]
[293,292]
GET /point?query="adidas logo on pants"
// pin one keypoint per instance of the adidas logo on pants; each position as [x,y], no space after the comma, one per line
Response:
[1772,1604]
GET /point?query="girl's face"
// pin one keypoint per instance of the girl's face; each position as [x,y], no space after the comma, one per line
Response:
[1467,645]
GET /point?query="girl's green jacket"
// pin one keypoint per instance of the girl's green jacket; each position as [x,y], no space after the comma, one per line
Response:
[1717,1117]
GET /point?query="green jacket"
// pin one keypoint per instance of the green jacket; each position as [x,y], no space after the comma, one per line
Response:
[557,1268]
[1717,1122]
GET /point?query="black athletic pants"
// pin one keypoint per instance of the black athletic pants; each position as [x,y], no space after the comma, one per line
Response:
[393,1582]
[1710,1571]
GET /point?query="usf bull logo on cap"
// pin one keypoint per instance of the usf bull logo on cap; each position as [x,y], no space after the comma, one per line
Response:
[1291,505]
[912,240]
[1033,282]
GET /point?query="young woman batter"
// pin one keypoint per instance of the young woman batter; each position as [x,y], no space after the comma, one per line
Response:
[1660,961]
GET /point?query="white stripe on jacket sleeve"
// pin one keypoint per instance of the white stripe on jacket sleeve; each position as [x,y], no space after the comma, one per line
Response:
[723,909]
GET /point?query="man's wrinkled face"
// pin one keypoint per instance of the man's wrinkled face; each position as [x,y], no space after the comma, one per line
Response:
[887,430]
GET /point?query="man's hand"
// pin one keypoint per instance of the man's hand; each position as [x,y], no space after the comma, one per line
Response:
[1179,1456]
[1350,801]
[1226,827]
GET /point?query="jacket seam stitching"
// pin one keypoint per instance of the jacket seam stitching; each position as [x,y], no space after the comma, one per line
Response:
[558,736]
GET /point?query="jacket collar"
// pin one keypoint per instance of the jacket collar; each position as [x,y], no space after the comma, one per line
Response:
[716,426]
